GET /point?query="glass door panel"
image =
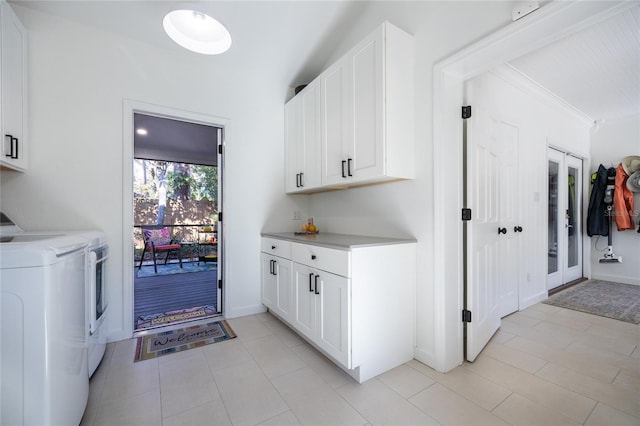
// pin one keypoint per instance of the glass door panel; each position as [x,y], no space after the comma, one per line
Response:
[552,249]
[573,226]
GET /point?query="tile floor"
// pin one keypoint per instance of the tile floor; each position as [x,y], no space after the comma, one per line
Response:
[545,366]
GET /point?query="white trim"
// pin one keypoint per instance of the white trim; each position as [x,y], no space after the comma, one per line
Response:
[245,310]
[128,108]
[616,278]
[520,80]
[550,23]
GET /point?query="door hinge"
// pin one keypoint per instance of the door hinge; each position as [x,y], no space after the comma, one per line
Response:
[466,315]
[466,111]
[466,214]
[220,149]
[219,283]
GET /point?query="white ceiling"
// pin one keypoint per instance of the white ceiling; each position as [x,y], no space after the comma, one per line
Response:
[261,30]
[597,71]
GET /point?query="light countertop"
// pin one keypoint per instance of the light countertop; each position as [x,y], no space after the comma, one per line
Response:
[338,241]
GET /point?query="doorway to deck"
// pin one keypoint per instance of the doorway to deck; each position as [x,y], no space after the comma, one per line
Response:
[177,174]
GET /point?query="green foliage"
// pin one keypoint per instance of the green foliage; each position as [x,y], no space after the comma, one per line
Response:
[184,181]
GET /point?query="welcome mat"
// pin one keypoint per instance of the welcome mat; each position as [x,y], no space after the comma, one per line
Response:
[168,342]
[174,268]
[603,298]
[156,320]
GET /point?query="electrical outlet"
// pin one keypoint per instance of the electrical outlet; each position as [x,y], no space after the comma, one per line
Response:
[296,215]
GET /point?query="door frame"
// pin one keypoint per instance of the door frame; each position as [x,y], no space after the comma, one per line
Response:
[129,108]
[550,23]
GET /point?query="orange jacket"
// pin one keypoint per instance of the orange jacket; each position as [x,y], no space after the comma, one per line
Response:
[623,201]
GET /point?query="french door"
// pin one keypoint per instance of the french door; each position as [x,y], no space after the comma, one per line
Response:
[564,244]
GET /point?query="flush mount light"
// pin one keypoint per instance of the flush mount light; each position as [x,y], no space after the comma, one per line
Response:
[197,31]
[141,131]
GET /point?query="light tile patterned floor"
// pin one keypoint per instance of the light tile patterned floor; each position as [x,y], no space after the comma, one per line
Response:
[545,366]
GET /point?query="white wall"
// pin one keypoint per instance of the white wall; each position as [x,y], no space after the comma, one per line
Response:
[78,77]
[609,145]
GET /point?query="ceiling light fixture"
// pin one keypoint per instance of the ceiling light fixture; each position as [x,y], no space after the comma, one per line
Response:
[141,131]
[196,31]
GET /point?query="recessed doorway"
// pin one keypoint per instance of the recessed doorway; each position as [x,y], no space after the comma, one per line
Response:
[175,190]
[564,251]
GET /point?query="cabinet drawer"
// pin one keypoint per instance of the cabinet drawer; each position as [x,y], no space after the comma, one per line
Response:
[326,259]
[276,247]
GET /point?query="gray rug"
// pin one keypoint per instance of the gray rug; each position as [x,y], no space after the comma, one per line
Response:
[603,298]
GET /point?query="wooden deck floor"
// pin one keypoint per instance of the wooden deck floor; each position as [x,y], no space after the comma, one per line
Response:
[166,293]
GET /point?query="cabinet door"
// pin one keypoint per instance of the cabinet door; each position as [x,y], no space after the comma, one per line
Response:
[283,291]
[302,140]
[311,142]
[332,316]
[13,99]
[268,281]
[365,146]
[293,146]
[304,310]
[335,122]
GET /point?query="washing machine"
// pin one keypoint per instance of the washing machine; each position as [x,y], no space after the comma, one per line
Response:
[43,339]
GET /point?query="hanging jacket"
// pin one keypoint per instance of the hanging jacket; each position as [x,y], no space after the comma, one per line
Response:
[597,221]
[623,201]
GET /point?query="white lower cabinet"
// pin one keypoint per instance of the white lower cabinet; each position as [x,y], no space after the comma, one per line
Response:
[321,310]
[276,285]
[354,303]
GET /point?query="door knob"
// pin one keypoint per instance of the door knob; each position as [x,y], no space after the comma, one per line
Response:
[502,230]
[517,229]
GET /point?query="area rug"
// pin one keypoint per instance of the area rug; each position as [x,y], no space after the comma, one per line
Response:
[174,268]
[156,320]
[603,298]
[168,342]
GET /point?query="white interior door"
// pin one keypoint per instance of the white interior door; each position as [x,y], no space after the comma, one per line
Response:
[482,233]
[493,193]
[564,244]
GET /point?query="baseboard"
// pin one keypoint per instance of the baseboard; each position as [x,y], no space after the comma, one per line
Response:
[539,297]
[428,359]
[616,279]
[243,311]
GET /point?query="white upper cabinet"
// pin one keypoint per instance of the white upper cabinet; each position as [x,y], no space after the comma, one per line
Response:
[302,140]
[13,102]
[366,120]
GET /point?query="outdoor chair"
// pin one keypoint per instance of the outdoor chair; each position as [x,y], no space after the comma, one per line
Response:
[158,239]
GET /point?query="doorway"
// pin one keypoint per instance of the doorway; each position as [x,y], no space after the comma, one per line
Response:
[564,253]
[177,204]
[553,22]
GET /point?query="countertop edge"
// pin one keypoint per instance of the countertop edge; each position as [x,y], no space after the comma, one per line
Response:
[373,241]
